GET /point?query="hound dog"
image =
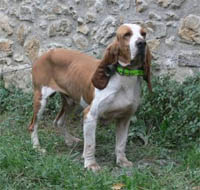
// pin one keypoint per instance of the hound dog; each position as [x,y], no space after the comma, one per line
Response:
[106,88]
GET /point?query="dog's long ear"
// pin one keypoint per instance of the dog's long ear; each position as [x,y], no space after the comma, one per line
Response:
[102,74]
[147,68]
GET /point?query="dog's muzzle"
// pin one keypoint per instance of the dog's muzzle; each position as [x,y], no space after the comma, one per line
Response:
[141,44]
[140,54]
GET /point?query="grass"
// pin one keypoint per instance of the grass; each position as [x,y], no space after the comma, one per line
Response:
[156,166]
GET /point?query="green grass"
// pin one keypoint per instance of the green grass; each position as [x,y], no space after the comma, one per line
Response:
[157,166]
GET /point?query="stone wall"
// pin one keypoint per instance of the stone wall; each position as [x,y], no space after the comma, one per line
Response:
[30,27]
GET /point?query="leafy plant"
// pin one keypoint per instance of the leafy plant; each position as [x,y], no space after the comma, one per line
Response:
[171,112]
[160,119]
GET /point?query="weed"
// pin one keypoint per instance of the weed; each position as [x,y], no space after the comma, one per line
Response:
[170,160]
[171,112]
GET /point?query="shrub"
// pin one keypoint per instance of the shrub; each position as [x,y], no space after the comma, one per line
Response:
[171,112]
[14,100]
[3,94]
[19,105]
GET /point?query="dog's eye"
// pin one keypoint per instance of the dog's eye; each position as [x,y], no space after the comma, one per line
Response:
[143,33]
[127,35]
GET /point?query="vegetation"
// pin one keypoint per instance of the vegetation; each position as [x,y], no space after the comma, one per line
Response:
[163,144]
[171,112]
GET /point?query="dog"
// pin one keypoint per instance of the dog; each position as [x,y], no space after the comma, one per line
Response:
[106,88]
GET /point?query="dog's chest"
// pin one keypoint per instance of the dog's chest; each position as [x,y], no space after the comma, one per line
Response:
[122,95]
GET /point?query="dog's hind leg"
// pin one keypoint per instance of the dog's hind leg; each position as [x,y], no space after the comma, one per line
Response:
[61,120]
[40,100]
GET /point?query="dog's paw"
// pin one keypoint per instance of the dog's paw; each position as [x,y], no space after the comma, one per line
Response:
[39,149]
[94,167]
[124,162]
[71,141]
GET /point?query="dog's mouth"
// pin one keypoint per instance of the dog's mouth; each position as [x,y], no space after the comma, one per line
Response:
[139,58]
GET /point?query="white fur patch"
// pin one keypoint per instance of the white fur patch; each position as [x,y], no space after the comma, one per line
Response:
[136,35]
[34,137]
[83,103]
[123,64]
[89,129]
[120,92]
[43,102]
[46,92]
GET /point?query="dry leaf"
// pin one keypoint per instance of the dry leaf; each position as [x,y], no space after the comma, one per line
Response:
[118,186]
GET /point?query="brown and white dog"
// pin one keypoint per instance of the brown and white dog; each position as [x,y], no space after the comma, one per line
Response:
[84,80]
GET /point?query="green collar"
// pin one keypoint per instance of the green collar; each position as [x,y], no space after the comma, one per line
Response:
[129,72]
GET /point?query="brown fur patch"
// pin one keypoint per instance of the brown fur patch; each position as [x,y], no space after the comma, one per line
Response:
[123,39]
[147,68]
[59,68]
[143,32]
[100,79]
[85,112]
[37,98]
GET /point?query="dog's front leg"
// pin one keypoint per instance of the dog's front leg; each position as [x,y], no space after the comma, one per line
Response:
[89,128]
[121,138]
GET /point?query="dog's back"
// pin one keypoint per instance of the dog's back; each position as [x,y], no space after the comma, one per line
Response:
[67,71]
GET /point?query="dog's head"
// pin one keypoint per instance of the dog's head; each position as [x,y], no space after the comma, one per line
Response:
[128,49]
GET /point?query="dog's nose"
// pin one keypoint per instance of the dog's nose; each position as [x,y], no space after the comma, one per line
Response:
[141,43]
